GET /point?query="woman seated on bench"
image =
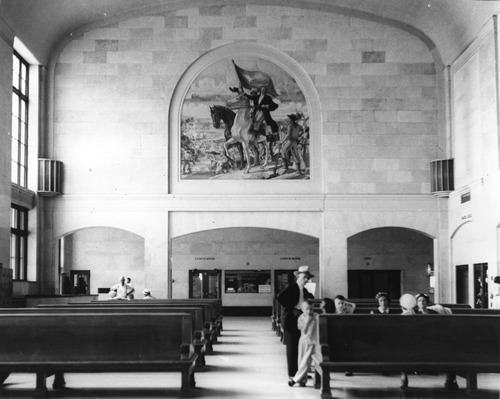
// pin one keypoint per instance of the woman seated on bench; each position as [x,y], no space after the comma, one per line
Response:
[383,301]
[422,301]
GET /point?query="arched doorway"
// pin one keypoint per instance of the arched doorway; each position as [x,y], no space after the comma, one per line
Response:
[390,259]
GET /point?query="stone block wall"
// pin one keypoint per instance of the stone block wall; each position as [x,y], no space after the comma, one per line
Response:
[376,84]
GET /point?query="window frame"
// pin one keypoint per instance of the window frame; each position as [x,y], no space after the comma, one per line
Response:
[20,120]
[19,242]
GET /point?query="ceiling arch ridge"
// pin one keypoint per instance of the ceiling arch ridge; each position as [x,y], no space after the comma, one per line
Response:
[176,5]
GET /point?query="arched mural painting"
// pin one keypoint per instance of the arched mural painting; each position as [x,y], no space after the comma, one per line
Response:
[244,117]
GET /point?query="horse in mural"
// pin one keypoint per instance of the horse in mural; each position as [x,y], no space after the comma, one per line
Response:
[220,114]
[243,132]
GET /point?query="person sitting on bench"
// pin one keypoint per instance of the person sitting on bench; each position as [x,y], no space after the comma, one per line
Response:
[421,309]
[120,290]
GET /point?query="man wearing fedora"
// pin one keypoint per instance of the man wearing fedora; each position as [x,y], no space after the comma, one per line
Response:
[291,299]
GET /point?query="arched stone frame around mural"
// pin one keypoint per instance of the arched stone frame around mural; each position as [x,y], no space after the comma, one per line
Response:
[303,80]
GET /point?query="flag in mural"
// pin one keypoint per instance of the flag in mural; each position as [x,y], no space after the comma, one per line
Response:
[255,80]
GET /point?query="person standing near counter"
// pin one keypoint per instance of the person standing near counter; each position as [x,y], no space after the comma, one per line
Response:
[291,299]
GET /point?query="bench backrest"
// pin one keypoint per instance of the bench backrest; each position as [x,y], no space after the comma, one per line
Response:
[98,338]
[395,304]
[209,305]
[454,311]
[145,304]
[476,311]
[196,312]
[397,338]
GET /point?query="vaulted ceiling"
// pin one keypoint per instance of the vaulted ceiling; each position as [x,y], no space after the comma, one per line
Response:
[450,25]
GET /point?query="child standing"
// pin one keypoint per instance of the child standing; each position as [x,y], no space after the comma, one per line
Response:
[308,346]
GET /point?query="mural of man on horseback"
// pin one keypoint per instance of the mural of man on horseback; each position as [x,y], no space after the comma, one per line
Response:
[246,105]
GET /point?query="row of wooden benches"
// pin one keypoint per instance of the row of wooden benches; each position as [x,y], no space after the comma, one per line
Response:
[110,336]
[464,343]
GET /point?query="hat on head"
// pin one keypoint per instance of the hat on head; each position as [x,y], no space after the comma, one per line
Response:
[427,298]
[305,270]
[293,117]
[382,294]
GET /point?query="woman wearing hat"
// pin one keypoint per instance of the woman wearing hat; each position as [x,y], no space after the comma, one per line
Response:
[291,299]
[422,303]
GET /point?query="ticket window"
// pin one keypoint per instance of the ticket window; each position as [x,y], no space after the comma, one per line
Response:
[247,282]
[204,283]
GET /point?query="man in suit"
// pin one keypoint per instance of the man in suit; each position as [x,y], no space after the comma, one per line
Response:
[291,299]
[264,102]
[260,101]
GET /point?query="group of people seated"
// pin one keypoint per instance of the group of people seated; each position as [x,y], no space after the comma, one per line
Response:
[125,290]
[409,304]
[300,324]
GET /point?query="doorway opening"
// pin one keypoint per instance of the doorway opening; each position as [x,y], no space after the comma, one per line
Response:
[367,283]
[391,259]
[462,275]
[80,282]
[204,283]
[481,285]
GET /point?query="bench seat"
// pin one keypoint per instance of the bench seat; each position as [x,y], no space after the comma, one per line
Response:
[460,344]
[200,342]
[47,343]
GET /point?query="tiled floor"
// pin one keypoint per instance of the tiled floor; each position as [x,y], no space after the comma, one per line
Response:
[248,362]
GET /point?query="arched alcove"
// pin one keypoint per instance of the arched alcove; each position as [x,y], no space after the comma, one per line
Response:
[106,253]
[470,264]
[391,259]
[243,249]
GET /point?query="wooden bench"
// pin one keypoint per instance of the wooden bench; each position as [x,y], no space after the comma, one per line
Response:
[276,319]
[397,310]
[460,344]
[212,307]
[200,343]
[209,328]
[42,343]
[476,311]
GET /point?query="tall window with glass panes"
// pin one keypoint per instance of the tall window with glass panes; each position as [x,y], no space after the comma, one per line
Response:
[19,166]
